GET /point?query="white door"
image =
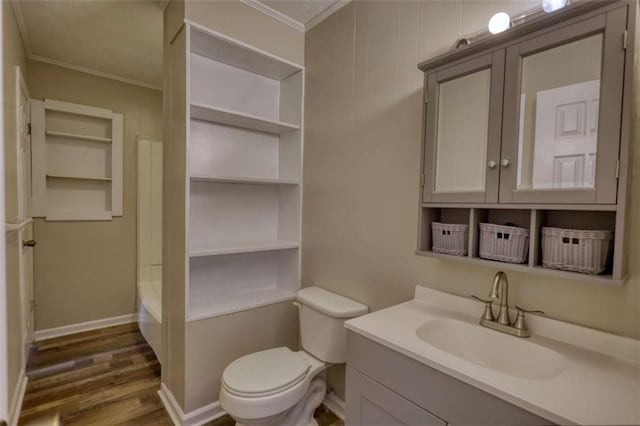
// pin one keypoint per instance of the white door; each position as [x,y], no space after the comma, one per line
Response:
[566,136]
[24,208]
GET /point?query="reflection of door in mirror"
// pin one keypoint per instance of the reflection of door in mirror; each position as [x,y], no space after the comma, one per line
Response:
[559,115]
[566,136]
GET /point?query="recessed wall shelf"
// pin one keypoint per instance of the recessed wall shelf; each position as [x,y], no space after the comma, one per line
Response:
[77,136]
[238,119]
[76,161]
[245,248]
[243,180]
[59,176]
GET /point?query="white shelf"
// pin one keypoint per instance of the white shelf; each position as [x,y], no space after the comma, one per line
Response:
[238,119]
[66,215]
[243,180]
[78,177]
[231,52]
[201,309]
[77,136]
[245,248]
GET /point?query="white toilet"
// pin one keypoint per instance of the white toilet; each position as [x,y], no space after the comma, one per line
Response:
[282,387]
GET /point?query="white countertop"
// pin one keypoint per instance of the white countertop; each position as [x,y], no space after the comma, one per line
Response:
[599,384]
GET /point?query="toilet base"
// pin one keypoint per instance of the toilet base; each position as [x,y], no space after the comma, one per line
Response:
[300,414]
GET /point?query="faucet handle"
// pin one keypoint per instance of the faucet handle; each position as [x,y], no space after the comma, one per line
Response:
[488,311]
[519,323]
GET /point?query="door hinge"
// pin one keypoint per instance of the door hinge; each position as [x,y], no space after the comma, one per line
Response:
[28,128]
[625,39]
[422,180]
[618,169]
[426,96]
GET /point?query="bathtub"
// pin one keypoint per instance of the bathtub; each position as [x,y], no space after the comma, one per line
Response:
[150,310]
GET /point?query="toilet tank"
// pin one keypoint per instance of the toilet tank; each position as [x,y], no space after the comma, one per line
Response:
[322,316]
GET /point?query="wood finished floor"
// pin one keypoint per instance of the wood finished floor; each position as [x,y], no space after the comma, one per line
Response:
[103,377]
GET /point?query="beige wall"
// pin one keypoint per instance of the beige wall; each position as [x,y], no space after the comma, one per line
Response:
[362,158]
[87,270]
[242,22]
[13,55]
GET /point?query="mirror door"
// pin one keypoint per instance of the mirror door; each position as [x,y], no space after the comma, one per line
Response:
[462,149]
[561,126]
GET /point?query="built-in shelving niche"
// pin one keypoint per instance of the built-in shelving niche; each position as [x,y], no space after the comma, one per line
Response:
[245,166]
[533,220]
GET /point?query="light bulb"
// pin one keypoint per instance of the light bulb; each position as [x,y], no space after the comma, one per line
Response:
[553,5]
[499,22]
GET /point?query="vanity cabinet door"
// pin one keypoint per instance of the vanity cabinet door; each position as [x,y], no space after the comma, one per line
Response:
[371,404]
[562,114]
[462,131]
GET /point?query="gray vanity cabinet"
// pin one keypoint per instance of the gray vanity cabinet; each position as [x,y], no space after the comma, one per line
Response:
[385,387]
[372,404]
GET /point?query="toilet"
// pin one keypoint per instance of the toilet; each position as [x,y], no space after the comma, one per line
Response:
[282,387]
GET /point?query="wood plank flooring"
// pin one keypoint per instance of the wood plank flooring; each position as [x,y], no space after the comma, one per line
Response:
[103,377]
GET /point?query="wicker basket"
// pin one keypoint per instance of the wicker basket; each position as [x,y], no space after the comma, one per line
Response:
[450,238]
[573,250]
[504,243]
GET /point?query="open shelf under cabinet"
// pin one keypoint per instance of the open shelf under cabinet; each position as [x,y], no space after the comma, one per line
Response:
[531,219]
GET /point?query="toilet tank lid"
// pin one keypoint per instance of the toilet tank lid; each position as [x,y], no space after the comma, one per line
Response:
[330,303]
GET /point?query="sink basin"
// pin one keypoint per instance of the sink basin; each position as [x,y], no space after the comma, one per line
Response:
[491,349]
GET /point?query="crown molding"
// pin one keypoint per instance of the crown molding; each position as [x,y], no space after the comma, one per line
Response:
[279,16]
[22,28]
[337,5]
[91,71]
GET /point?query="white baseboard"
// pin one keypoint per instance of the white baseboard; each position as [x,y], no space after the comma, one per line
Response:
[196,417]
[18,397]
[84,326]
[335,404]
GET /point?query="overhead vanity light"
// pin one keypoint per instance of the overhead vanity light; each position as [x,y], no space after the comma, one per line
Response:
[553,5]
[499,22]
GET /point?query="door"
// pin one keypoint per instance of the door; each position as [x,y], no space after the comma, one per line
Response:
[462,131]
[562,114]
[24,209]
[369,403]
[566,129]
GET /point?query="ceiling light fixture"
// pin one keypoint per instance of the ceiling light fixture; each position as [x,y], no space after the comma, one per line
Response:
[500,22]
[553,5]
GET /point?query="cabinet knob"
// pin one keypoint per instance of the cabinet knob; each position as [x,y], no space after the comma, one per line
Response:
[505,163]
[492,164]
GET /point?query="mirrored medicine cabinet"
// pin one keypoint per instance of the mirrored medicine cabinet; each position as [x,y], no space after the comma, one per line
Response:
[533,121]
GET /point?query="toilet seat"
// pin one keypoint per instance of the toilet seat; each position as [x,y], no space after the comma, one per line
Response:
[264,373]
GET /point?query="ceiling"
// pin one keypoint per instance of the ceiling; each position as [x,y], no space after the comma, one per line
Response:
[116,38]
[304,12]
[122,39]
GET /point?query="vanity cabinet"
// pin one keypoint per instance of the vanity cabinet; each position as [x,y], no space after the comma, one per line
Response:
[532,125]
[385,387]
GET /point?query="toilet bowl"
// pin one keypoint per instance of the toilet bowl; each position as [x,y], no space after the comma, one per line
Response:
[282,387]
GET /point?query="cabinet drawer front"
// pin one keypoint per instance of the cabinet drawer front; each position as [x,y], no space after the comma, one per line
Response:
[369,403]
[442,395]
